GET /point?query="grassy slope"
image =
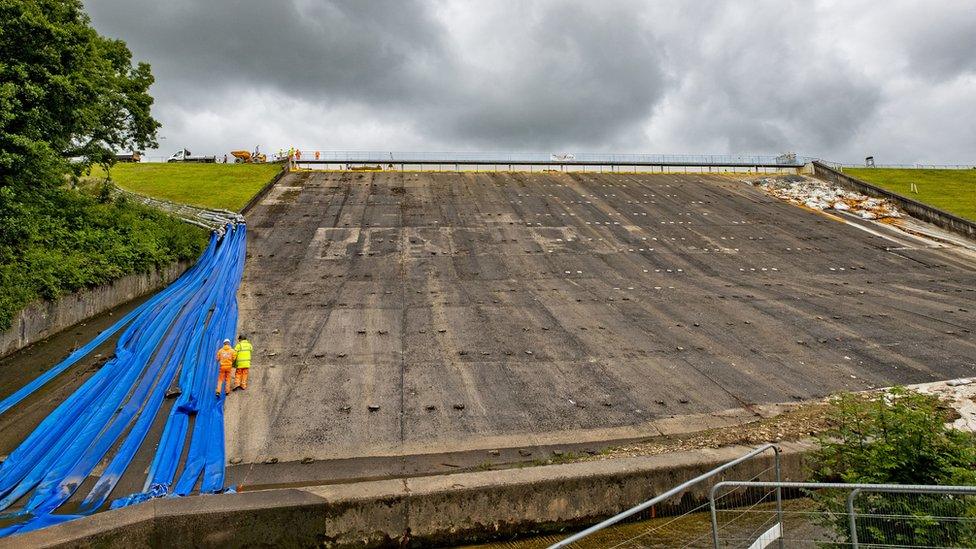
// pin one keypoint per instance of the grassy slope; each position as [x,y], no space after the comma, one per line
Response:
[227,186]
[951,190]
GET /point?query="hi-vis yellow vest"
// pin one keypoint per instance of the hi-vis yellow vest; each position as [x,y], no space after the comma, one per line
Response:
[243,349]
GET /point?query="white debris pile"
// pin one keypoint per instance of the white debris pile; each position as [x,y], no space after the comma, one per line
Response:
[819,195]
[958,393]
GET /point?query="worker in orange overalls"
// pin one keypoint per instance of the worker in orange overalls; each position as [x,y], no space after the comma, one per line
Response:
[226,356]
[242,362]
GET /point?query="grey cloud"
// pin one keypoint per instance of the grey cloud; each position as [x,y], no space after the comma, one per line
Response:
[769,87]
[557,75]
[335,51]
[580,74]
[941,42]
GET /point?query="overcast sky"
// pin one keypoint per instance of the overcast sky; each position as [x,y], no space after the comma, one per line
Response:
[839,80]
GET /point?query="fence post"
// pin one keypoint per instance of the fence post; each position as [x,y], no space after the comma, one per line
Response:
[711,506]
[779,494]
[851,517]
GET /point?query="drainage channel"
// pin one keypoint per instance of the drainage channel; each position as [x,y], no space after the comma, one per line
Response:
[164,342]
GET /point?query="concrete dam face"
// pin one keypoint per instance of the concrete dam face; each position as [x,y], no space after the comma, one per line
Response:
[411,315]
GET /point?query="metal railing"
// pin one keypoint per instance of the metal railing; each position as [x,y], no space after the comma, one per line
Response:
[829,514]
[506,157]
[914,166]
[679,491]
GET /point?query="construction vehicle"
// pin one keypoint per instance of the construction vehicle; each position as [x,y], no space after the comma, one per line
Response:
[134,156]
[184,155]
[248,157]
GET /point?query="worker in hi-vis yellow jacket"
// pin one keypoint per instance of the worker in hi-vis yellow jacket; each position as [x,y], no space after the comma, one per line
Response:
[243,362]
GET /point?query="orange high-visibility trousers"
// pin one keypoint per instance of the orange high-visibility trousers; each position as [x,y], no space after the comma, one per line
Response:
[224,376]
[242,377]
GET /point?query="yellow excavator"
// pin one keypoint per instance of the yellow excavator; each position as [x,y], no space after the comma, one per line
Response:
[248,157]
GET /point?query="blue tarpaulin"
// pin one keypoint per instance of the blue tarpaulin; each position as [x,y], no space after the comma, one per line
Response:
[170,339]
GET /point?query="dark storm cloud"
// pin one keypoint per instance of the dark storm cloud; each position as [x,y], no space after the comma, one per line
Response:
[822,78]
[363,51]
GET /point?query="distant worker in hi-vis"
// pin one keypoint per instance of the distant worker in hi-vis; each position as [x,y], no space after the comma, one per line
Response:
[226,356]
[243,362]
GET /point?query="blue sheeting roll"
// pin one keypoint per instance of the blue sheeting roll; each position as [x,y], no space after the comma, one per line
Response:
[173,335]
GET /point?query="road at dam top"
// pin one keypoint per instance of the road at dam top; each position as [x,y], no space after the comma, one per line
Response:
[409,314]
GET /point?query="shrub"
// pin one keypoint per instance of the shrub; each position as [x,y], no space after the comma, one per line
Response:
[898,437]
[56,241]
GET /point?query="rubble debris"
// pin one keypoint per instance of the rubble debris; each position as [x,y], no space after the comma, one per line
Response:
[819,195]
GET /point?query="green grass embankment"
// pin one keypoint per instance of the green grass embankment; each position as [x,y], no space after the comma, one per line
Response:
[227,186]
[56,240]
[951,190]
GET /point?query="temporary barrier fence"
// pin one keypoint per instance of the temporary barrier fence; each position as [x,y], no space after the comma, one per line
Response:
[843,515]
[690,533]
[754,513]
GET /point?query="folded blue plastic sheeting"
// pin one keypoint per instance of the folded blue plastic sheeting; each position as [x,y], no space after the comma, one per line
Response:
[172,338]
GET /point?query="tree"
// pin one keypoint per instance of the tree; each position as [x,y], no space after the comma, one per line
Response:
[68,96]
[897,437]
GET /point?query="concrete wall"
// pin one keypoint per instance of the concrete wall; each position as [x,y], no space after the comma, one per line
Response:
[44,318]
[914,208]
[434,510]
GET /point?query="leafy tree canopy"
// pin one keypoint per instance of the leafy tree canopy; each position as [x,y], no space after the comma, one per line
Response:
[68,96]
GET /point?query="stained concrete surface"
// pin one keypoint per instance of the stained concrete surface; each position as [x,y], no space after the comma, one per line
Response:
[431,511]
[495,310]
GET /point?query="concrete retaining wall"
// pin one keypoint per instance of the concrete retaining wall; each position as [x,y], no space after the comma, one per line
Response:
[914,208]
[45,318]
[444,509]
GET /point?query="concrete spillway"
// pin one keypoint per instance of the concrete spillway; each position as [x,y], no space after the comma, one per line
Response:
[402,314]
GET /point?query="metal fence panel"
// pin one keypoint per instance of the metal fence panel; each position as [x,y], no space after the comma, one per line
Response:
[687,523]
[843,515]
